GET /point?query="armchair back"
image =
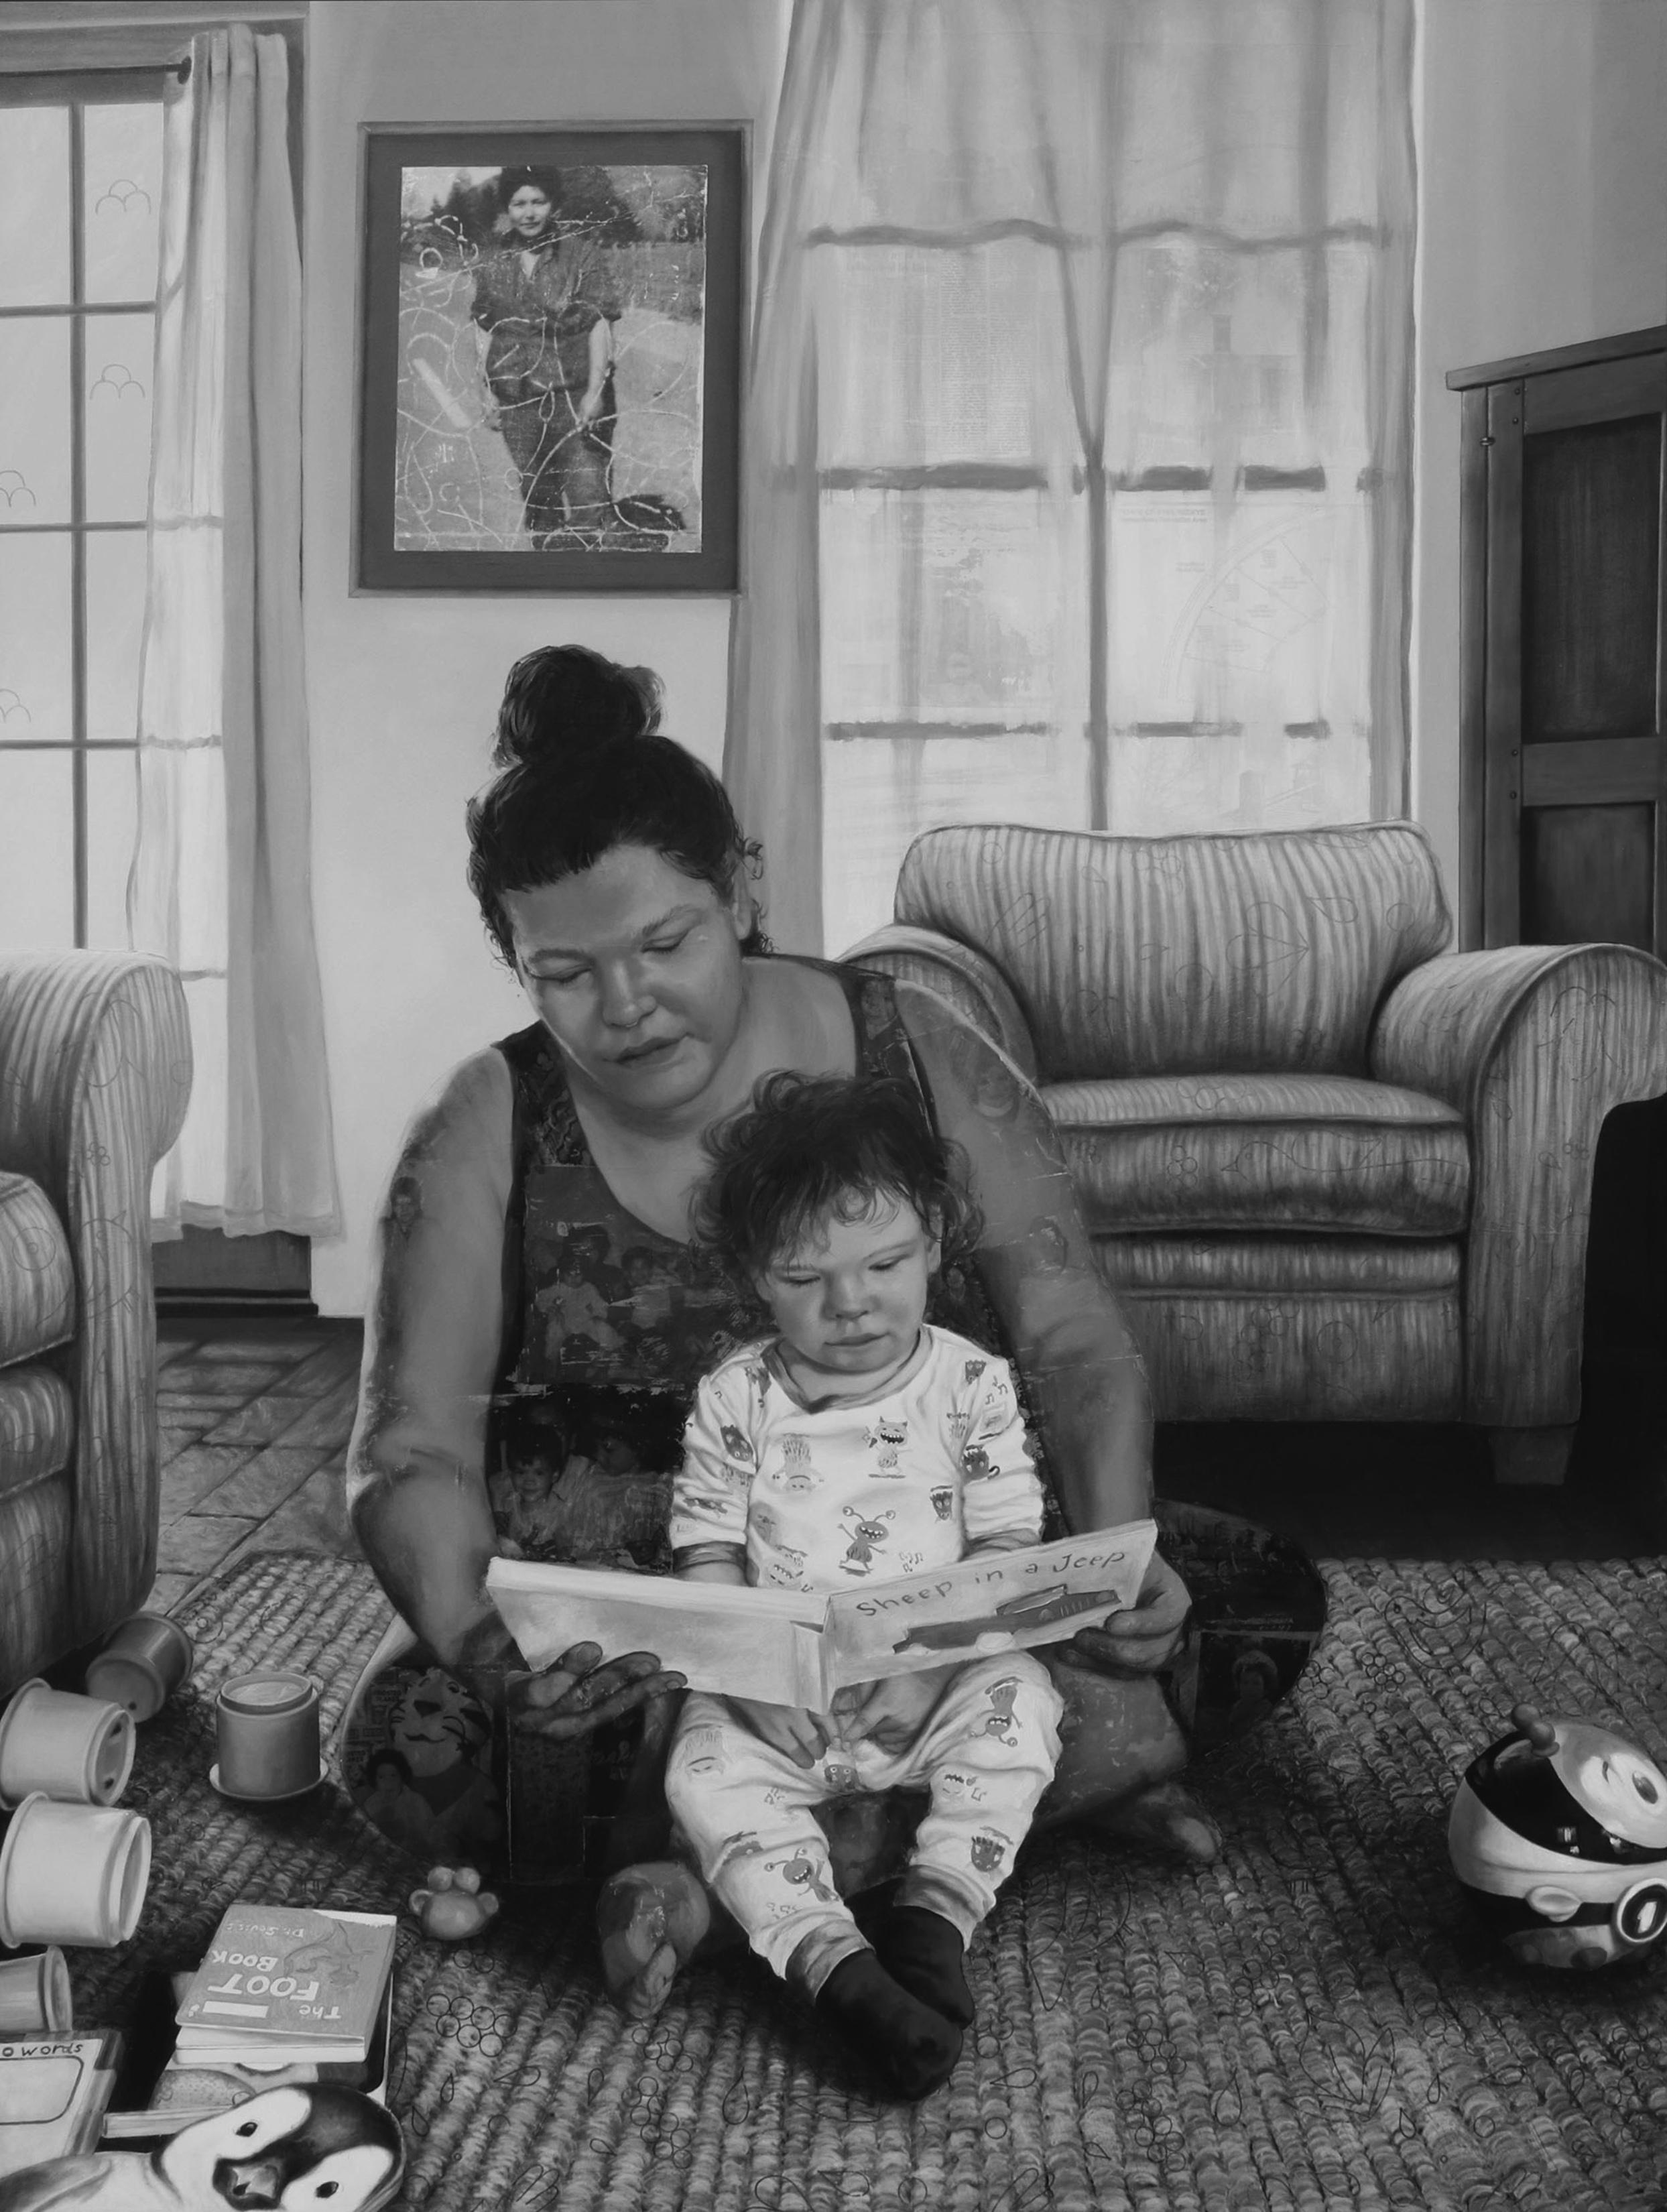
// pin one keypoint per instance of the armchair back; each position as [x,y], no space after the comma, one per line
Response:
[1149,955]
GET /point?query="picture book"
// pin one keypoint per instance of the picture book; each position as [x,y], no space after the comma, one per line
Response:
[309,1979]
[798,1647]
[53,2090]
[170,2091]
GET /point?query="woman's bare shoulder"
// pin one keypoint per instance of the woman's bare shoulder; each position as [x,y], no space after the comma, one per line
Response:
[808,1009]
[466,1124]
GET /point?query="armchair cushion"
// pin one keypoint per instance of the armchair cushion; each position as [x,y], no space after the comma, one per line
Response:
[37,1281]
[1174,956]
[37,1426]
[1324,1152]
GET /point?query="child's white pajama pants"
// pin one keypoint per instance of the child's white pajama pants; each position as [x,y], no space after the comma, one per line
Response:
[986,1750]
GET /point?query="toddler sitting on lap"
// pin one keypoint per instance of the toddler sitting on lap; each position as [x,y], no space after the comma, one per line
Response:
[857,1441]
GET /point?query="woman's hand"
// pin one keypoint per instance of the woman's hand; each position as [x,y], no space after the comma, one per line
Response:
[796,1734]
[578,1692]
[491,415]
[1143,1639]
[891,1711]
[590,404]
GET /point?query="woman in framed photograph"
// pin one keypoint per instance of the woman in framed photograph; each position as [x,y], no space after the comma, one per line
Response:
[548,304]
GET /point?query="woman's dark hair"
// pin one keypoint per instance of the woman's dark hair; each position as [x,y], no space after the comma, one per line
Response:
[812,1146]
[582,767]
[547,181]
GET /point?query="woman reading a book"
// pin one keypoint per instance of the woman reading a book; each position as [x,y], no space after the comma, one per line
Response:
[538,1301]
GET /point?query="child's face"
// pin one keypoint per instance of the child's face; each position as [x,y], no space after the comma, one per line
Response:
[849,1299]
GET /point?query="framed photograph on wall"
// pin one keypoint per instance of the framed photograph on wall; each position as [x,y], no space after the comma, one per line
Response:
[551,358]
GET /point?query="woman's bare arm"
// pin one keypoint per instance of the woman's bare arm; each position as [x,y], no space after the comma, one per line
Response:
[1064,1327]
[416,1465]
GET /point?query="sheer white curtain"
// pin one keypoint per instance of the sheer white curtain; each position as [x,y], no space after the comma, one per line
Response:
[1079,430]
[221,883]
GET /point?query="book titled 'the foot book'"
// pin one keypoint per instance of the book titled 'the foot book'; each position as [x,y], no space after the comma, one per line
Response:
[290,1977]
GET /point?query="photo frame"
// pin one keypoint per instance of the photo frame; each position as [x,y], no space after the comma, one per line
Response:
[551,355]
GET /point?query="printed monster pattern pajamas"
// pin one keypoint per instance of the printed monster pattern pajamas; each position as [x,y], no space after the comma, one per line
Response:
[821,1500]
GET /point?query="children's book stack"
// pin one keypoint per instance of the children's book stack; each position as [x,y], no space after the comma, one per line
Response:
[286,1994]
[53,2091]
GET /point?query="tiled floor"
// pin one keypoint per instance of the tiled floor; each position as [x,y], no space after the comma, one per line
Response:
[256,1417]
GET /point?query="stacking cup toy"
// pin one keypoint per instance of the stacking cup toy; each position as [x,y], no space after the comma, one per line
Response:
[78,1750]
[72,1874]
[266,1732]
[34,1994]
[143,1662]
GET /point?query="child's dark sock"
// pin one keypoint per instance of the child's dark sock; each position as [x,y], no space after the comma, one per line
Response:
[924,1952]
[915,2047]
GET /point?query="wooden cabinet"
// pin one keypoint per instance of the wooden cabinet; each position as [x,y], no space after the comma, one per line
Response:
[1563,808]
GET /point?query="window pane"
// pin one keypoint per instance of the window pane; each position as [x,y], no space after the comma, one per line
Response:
[1239,662]
[35,206]
[115,616]
[34,420]
[34,639]
[928,353]
[111,815]
[956,606]
[880,793]
[37,852]
[122,157]
[118,365]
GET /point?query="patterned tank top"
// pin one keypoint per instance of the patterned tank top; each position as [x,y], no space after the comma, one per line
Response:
[610,1325]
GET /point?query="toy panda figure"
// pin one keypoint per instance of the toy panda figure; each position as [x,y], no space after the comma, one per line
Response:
[293,2149]
[1558,1834]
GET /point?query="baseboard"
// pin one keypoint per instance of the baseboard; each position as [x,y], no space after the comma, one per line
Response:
[235,1305]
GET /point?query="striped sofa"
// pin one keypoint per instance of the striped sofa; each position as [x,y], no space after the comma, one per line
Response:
[1335,1172]
[95,1074]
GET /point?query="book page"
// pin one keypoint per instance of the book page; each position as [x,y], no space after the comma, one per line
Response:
[998,1602]
[740,1643]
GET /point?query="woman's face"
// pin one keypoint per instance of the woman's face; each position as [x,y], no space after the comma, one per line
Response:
[635,970]
[528,209]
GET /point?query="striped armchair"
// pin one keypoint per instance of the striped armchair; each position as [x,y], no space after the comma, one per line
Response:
[95,1074]
[1334,1172]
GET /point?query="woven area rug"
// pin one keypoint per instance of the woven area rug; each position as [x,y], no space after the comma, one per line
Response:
[1313,2023]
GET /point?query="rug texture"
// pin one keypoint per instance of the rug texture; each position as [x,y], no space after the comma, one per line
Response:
[1313,2023]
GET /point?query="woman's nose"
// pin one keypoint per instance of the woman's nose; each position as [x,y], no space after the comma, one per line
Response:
[625,998]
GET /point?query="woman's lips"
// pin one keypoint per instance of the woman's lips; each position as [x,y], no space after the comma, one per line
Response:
[639,1052]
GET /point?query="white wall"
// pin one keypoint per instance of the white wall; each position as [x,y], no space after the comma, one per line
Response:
[404,686]
[1543,181]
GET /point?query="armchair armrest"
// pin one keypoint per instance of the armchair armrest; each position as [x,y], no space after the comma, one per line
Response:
[1534,1044]
[94,1076]
[970,981]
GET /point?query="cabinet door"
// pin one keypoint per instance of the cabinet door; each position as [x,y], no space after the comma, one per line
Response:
[1573,844]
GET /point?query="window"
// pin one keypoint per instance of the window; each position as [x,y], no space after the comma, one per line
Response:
[80,192]
[1174,633]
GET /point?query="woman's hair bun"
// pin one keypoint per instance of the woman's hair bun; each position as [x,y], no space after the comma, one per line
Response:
[565,702]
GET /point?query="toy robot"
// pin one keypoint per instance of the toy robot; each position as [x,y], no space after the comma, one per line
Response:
[1558,1835]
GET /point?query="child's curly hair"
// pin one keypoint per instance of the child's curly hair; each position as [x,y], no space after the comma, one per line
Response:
[810,1147]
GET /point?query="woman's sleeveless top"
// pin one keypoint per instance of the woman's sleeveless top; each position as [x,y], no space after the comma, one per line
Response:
[610,1325]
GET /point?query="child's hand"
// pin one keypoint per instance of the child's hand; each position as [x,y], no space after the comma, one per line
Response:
[796,1734]
[890,1712]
